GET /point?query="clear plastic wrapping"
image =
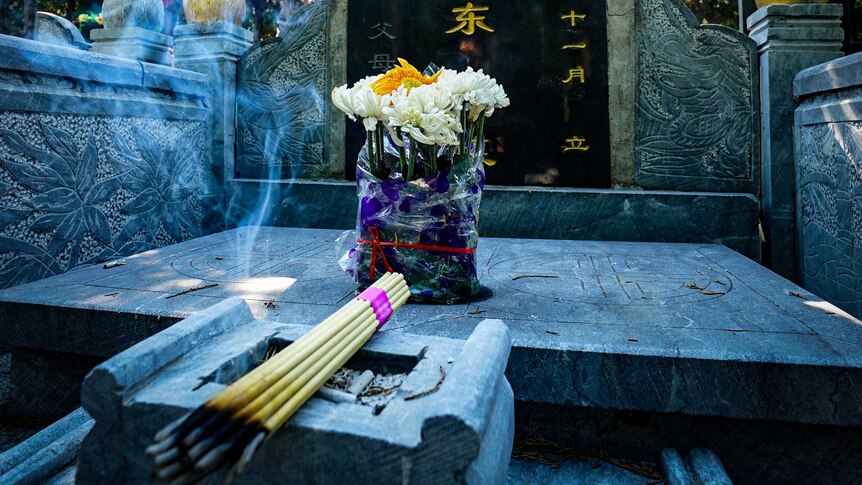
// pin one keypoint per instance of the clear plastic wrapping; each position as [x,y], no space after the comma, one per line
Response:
[426,229]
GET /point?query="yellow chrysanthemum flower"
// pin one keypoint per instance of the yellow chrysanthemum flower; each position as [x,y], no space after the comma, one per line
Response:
[99,20]
[404,75]
[83,18]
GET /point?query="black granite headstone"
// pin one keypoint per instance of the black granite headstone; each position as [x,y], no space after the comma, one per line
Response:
[550,56]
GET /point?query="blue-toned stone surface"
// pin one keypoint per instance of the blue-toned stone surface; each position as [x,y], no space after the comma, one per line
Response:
[527,212]
[592,472]
[673,328]
[828,134]
[461,433]
[53,29]
[48,454]
[697,101]
[790,38]
[283,102]
[99,158]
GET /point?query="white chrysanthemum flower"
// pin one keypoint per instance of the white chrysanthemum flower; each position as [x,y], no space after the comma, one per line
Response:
[480,91]
[425,113]
[361,101]
[342,99]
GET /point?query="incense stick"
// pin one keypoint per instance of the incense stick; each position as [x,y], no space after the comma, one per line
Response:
[231,426]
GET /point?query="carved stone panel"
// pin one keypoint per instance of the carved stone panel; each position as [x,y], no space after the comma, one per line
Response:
[696,123]
[283,101]
[830,211]
[85,189]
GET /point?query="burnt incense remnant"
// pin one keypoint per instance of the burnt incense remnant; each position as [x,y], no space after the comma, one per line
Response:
[229,428]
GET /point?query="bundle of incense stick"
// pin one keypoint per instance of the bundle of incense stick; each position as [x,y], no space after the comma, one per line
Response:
[230,427]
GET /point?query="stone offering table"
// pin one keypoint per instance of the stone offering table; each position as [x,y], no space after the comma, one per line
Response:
[681,331]
[457,428]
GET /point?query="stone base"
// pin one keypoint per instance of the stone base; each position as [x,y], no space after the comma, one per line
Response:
[688,330]
[46,385]
[462,431]
[209,42]
[133,43]
[49,456]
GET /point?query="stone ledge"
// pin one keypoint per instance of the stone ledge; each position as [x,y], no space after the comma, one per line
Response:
[798,10]
[48,453]
[39,58]
[842,73]
[627,319]
[532,212]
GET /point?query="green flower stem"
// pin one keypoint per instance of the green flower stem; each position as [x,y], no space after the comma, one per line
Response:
[371,162]
[480,144]
[433,158]
[381,148]
[413,151]
[402,156]
[465,136]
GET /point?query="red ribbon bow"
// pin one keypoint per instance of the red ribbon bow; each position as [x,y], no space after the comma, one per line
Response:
[377,247]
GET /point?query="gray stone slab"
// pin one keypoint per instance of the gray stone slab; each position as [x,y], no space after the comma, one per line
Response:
[790,38]
[700,466]
[828,143]
[133,43]
[676,328]
[528,212]
[461,433]
[841,73]
[696,117]
[48,453]
[40,58]
[592,472]
[53,29]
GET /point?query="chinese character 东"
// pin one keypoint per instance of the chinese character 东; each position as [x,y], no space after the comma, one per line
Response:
[381,31]
[574,16]
[469,20]
[381,62]
[575,73]
[575,143]
[579,45]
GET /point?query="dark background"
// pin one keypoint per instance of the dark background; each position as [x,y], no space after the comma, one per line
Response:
[525,55]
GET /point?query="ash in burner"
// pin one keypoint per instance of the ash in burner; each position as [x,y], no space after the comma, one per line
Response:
[362,387]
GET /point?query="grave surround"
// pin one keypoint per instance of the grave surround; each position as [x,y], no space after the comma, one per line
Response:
[671,328]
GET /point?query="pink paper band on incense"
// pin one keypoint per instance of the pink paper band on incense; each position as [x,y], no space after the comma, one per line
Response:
[379,302]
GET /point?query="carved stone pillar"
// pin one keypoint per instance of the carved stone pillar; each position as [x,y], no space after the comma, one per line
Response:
[790,38]
[215,49]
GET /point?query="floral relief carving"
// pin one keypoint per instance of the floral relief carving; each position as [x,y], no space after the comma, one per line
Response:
[829,212]
[68,199]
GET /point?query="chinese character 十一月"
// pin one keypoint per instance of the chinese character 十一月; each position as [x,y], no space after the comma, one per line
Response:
[574,16]
[468,19]
[382,30]
[575,143]
[575,73]
[381,62]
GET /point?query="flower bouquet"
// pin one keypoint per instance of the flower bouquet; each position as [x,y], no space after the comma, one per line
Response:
[420,177]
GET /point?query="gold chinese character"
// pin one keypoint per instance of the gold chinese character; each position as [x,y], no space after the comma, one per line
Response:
[574,16]
[579,45]
[575,143]
[469,20]
[575,73]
